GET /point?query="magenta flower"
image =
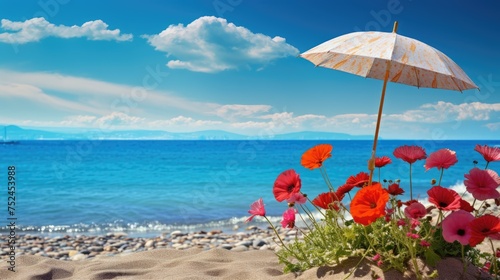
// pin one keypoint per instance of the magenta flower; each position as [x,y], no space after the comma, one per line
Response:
[482,184]
[256,209]
[410,154]
[297,198]
[425,244]
[489,153]
[456,227]
[415,211]
[440,159]
[288,218]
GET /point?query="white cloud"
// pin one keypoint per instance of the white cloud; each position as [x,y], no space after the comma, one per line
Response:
[211,44]
[493,126]
[35,29]
[98,96]
[118,119]
[182,121]
[232,111]
[34,94]
[446,112]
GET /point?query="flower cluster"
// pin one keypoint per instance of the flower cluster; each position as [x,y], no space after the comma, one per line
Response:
[392,231]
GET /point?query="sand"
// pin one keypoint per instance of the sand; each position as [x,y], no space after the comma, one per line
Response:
[203,264]
[217,263]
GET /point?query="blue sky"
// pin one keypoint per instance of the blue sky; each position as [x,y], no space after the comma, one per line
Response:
[233,65]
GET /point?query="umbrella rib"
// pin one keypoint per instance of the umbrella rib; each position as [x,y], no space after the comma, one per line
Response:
[416,76]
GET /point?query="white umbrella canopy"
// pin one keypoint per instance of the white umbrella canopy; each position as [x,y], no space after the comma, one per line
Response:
[389,57]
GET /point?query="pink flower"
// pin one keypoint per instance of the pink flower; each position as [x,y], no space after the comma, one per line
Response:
[413,235]
[288,218]
[256,209]
[443,158]
[443,198]
[382,161]
[415,211]
[456,227]
[482,184]
[401,223]
[410,154]
[376,257]
[488,153]
[414,223]
[297,198]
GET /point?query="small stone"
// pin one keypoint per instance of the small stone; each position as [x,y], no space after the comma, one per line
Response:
[258,243]
[176,233]
[240,248]
[252,228]
[214,232]
[95,249]
[149,243]
[264,247]
[245,243]
[72,253]
[78,257]
[226,246]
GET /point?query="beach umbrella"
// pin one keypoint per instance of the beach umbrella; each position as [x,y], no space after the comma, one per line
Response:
[389,57]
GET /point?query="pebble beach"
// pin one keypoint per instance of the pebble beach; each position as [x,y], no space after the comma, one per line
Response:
[80,247]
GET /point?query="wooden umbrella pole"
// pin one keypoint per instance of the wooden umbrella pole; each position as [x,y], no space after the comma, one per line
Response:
[371,162]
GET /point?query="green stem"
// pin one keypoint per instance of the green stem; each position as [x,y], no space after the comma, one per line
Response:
[411,189]
[357,265]
[278,235]
[487,163]
[441,177]
[379,174]
[494,259]
[327,180]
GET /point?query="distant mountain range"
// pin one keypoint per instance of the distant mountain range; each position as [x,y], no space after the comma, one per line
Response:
[17,133]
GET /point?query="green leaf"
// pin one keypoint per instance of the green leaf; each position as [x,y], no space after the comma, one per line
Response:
[431,258]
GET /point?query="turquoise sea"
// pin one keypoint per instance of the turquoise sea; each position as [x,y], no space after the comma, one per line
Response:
[147,187]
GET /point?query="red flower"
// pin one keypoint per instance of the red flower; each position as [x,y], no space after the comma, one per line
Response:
[288,218]
[443,198]
[488,153]
[410,154]
[286,184]
[328,200]
[394,189]
[443,158]
[342,190]
[359,180]
[482,227]
[256,209]
[369,204]
[415,211]
[382,161]
[314,157]
[482,184]
[465,205]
